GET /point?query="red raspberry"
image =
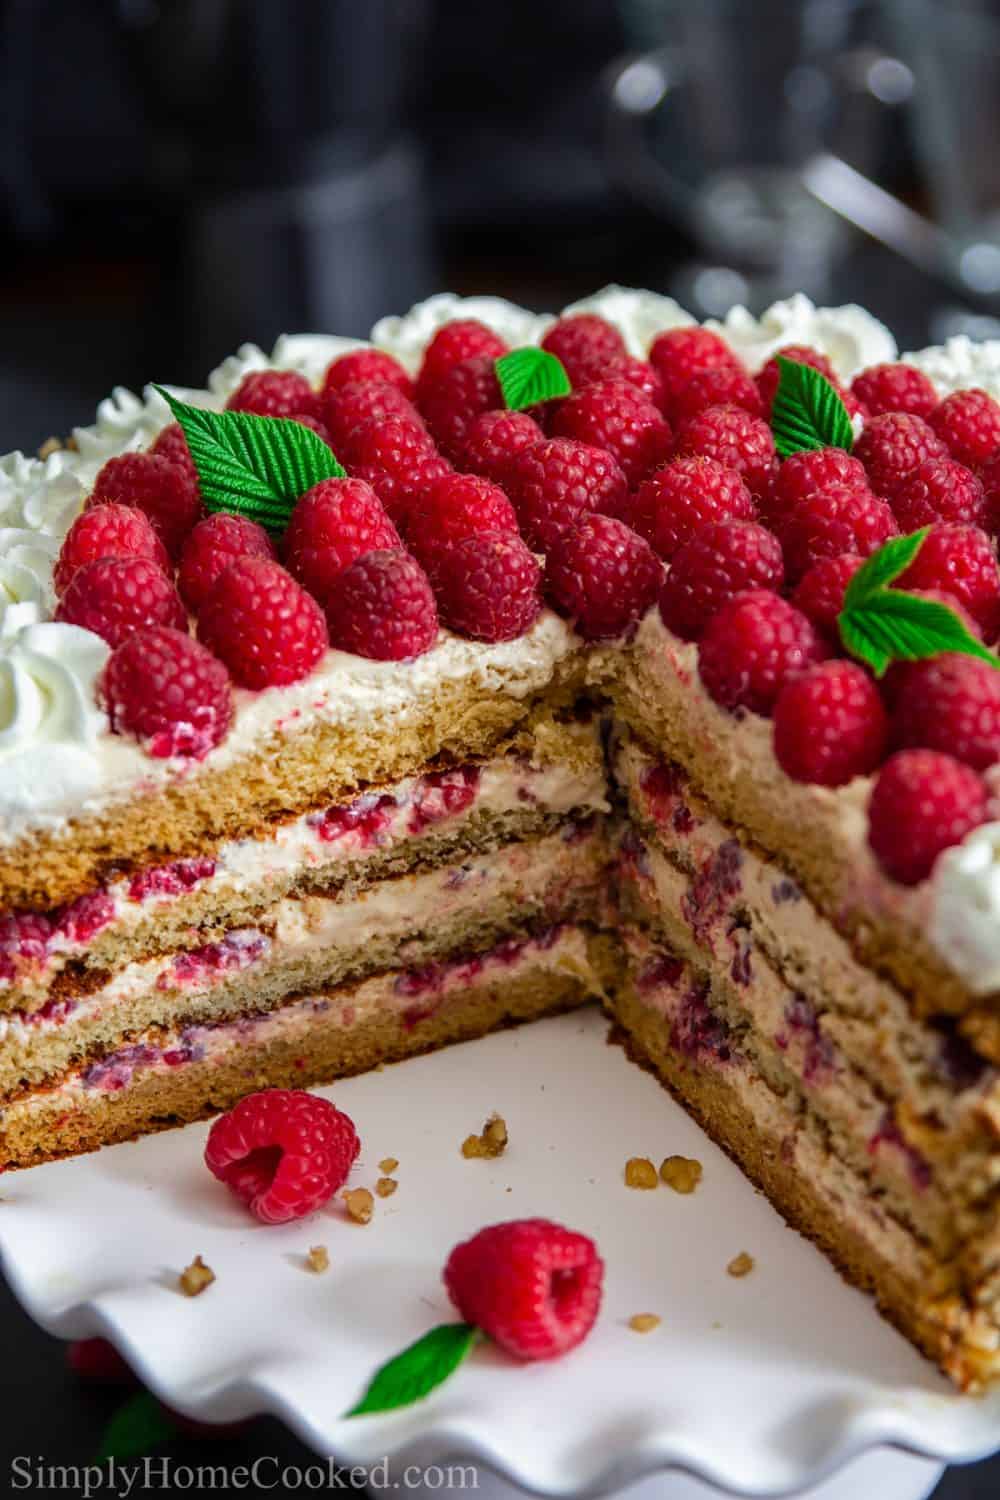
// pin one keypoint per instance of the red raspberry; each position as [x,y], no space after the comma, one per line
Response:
[736,439]
[348,406]
[959,560]
[989,475]
[802,474]
[891,446]
[681,353]
[820,593]
[602,576]
[275,393]
[642,375]
[98,1361]
[459,505]
[769,376]
[835,520]
[922,803]
[116,596]
[383,608]
[723,386]
[586,344]
[895,387]
[615,416]
[940,489]
[213,544]
[164,491]
[952,703]
[487,586]
[267,630]
[397,458]
[751,646]
[672,505]
[830,725]
[556,482]
[462,339]
[532,1286]
[968,423]
[721,560]
[107,531]
[315,425]
[366,364]
[897,673]
[283,1152]
[451,402]
[494,441]
[173,446]
[169,692]
[334,522]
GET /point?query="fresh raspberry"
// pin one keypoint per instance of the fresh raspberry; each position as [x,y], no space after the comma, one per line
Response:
[802,474]
[164,491]
[720,561]
[959,560]
[116,596]
[895,387]
[615,416]
[266,629]
[673,504]
[487,587]
[939,489]
[952,703]
[968,423]
[459,505]
[736,439]
[835,520]
[922,803]
[556,482]
[107,531]
[820,592]
[455,342]
[585,344]
[315,425]
[383,608]
[989,476]
[283,1152]
[99,1362]
[275,393]
[173,446]
[602,576]
[334,522]
[891,446]
[348,406]
[494,441]
[752,646]
[897,673]
[531,1285]
[723,386]
[830,725]
[213,544]
[681,353]
[366,364]
[397,458]
[169,692]
[451,402]
[769,375]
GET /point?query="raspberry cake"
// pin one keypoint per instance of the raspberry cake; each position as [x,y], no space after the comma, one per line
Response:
[671,686]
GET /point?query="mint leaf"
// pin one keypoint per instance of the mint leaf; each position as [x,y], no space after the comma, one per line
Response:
[528,376]
[883,567]
[138,1426]
[253,466]
[420,1368]
[807,411]
[895,626]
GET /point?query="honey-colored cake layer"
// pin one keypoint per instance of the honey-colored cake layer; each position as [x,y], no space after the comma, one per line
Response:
[170,1077]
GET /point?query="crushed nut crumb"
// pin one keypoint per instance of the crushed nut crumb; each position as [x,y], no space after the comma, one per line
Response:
[359,1203]
[196,1277]
[388,1164]
[318,1258]
[741,1265]
[50,446]
[386,1186]
[682,1173]
[640,1172]
[491,1142]
[644,1322]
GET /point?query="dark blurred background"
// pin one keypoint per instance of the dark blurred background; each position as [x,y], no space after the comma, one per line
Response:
[178,176]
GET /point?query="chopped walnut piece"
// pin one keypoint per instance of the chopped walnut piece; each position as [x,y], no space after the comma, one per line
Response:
[359,1204]
[50,446]
[386,1186]
[492,1142]
[644,1322]
[388,1164]
[196,1277]
[640,1172]
[682,1173]
[741,1265]
[318,1259]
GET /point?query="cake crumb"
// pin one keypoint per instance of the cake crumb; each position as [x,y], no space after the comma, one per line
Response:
[388,1164]
[318,1258]
[640,1173]
[386,1186]
[682,1173]
[740,1265]
[644,1322]
[50,446]
[491,1142]
[359,1204]
[195,1278]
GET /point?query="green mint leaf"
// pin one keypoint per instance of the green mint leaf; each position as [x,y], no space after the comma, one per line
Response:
[136,1428]
[528,376]
[253,466]
[895,626]
[807,412]
[883,567]
[420,1368]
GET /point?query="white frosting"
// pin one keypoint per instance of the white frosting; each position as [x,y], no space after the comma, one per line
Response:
[961,363]
[849,335]
[965,915]
[407,337]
